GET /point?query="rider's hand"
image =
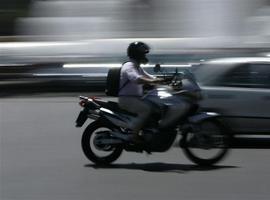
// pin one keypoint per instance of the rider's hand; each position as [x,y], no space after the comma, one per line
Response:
[158,80]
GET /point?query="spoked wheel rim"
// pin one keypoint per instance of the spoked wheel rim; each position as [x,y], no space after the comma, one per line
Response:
[203,147]
[208,145]
[96,152]
[99,150]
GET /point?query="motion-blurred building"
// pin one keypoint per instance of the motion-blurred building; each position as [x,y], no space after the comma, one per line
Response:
[83,30]
[88,19]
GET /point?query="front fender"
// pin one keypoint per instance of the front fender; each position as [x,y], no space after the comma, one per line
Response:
[202,116]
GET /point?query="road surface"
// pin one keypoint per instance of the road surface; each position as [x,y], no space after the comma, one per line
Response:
[41,159]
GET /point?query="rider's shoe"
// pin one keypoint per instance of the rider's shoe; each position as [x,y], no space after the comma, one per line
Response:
[136,139]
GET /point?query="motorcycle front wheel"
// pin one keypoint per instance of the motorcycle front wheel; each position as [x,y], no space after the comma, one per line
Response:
[208,144]
[99,154]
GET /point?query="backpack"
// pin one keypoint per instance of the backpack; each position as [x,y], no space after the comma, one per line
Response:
[113,81]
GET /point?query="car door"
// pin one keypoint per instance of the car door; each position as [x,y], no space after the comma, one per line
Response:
[259,90]
[241,95]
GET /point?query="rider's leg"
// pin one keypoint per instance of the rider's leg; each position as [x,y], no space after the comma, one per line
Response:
[174,113]
[177,108]
[137,106]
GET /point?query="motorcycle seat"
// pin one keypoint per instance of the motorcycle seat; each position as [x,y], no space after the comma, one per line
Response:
[114,106]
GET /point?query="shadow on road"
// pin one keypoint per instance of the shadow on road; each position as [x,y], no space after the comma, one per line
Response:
[160,167]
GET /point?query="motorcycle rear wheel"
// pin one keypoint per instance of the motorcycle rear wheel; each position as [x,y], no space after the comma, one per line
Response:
[91,150]
[207,146]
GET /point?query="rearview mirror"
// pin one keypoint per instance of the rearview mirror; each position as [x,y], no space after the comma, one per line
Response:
[157,68]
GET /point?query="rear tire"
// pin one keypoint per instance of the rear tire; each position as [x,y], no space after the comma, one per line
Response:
[214,138]
[90,150]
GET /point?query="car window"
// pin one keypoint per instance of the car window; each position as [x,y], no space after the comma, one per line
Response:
[260,75]
[238,76]
[246,75]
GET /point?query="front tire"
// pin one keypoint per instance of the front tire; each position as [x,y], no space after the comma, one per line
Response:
[208,145]
[92,152]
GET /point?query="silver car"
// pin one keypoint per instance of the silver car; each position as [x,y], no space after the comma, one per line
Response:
[239,89]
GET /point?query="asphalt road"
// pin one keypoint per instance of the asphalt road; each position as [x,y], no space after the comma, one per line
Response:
[41,159]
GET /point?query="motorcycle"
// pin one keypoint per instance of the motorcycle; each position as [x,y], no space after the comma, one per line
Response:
[204,138]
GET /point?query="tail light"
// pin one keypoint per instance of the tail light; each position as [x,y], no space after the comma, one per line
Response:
[82,103]
[94,98]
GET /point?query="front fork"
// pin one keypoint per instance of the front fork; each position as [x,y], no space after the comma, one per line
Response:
[185,129]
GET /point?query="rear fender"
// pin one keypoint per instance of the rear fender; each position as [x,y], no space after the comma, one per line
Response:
[116,119]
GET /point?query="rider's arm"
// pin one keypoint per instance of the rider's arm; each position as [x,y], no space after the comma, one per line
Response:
[147,75]
[146,80]
[141,78]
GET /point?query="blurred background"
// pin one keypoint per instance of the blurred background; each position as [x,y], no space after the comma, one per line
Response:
[105,19]
[50,33]
[52,51]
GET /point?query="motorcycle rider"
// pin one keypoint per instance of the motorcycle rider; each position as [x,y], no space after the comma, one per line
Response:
[132,79]
[131,96]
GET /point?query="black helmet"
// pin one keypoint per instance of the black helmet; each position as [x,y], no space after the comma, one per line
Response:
[138,51]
